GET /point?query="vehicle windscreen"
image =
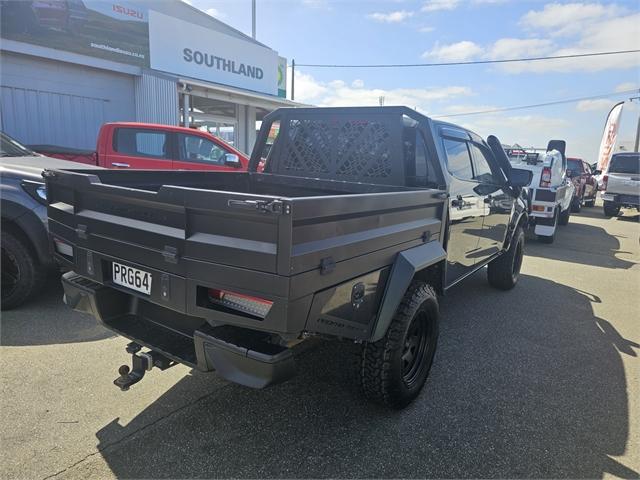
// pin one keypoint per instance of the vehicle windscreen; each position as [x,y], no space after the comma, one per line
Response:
[625,164]
[574,165]
[10,148]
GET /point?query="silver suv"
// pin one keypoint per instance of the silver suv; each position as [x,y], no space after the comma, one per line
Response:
[621,185]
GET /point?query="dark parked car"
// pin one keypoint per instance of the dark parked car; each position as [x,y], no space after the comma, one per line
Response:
[25,249]
[359,218]
[585,182]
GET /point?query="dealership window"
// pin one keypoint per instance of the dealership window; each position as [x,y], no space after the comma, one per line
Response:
[140,143]
[193,148]
[211,115]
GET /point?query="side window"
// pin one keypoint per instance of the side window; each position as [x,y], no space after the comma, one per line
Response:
[458,159]
[422,169]
[140,143]
[482,168]
[425,173]
[193,148]
[267,148]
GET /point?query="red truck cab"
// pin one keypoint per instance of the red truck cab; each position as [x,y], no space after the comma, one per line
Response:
[154,147]
[585,182]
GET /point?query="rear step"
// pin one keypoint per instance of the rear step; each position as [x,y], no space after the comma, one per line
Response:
[239,355]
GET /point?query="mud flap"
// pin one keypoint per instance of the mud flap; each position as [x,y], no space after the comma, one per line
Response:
[406,265]
[544,230]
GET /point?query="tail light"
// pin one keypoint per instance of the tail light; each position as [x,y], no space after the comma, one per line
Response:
[605,179]
[545,178]
[258,307]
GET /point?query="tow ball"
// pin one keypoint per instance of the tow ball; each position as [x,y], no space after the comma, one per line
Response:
[141,362]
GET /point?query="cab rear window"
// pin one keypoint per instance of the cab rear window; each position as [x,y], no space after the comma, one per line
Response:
[140,143]
[625,164]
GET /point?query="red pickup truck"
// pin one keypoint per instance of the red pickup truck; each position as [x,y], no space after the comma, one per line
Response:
[153,147]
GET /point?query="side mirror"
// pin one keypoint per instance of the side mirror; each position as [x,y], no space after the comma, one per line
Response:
[232,160]
[520,177]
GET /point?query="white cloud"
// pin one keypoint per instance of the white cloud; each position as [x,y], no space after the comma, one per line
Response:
[599,104]
[391,17]
[627,86]
[526,130]
[454,52]
[569,18]
[306,88]
[188,2]
[437,5]
[338,93]
[621,33]
[426,29]
[594,29]
[519,48]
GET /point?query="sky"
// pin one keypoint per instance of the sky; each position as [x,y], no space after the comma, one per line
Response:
[397,31]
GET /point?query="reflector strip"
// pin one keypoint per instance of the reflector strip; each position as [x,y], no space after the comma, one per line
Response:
[258,307]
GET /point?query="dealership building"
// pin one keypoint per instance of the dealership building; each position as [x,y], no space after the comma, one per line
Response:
[68,67]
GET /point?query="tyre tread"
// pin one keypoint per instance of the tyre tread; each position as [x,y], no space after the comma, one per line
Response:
[376,375]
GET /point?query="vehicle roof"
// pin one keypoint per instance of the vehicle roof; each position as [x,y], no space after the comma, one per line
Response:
[575,158]
[172,128]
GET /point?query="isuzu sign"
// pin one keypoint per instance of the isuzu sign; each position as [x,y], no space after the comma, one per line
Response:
[183,48]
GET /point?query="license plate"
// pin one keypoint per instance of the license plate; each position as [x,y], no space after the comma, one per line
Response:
[132,278]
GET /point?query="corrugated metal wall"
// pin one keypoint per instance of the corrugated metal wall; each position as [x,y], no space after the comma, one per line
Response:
[57,103]
[156,99]
[37,117]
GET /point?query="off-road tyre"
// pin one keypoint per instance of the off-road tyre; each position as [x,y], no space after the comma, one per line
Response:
[393,370]
[504,271]
[576,204]
[591,202]
[611,209]
[22,273]
[563,218]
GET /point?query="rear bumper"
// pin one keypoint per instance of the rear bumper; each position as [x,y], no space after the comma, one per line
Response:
[239,355]
[622,199]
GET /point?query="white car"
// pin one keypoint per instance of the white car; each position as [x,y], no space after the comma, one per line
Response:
[621,184]
[551,191]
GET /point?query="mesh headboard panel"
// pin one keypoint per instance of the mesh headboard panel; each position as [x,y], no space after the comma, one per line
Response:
[354,146]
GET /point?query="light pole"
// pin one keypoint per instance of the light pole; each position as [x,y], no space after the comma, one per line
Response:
[253,19]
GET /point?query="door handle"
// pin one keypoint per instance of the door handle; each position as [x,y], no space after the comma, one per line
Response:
[457,202]
[120,165]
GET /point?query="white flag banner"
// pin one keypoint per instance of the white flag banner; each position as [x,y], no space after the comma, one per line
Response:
[609,137]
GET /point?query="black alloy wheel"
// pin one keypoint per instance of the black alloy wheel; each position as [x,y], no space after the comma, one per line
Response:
[418,344]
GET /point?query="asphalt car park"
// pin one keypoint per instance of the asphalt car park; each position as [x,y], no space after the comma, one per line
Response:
[541,381]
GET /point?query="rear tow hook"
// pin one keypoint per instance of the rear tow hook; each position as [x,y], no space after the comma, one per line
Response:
[142,362]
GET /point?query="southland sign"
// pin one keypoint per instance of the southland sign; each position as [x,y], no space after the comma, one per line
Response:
[219,63]
[205,54]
